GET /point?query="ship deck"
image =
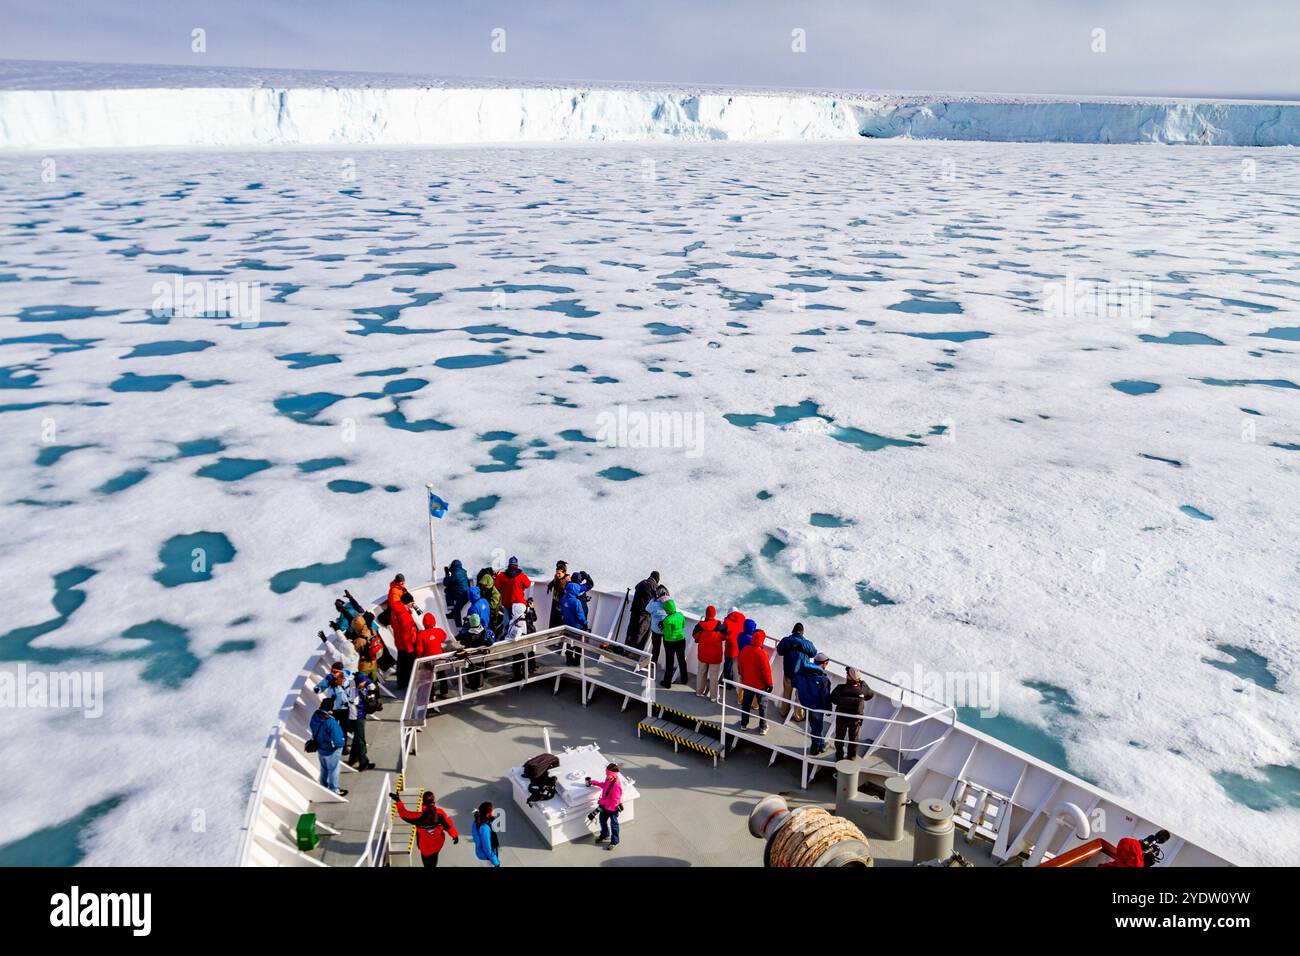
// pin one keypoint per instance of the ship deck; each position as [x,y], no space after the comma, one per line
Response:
[689,812]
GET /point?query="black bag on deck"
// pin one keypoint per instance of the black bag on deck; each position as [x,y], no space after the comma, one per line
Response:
[541,789]
[535,768]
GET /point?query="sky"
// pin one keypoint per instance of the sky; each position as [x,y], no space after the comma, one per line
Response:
[1156,47]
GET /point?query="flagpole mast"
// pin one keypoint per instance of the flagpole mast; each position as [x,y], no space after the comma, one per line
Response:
[433,559]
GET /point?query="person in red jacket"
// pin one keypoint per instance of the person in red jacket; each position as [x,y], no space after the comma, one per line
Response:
[755,674]
[1128,852]
[429,643]
[431,827]
[709,637]
[402,622]
[512,584]
[733,625]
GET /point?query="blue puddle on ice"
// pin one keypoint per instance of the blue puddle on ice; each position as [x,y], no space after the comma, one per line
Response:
[872,597]
[869,441]
[1277,787]
[357,563]
[926,306]
[1182,338]
[347,486]
[233,469]
[1135,387]
[62,844]
[299,360]
[123,481]
[190,558]
[304,408]
[478,506]
[820,519]
[320,464]
[1044,743]
[169,347]
[199,446]
[1197,513]
[948,336]
[1287,334]
[1242,382]
[471,361]
[130,382]
[789,414]
[618,473]
[1246,664]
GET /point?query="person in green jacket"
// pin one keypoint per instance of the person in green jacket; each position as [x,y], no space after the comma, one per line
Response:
[674,631]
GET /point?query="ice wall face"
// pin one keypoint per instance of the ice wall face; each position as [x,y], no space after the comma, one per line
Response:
[428,116]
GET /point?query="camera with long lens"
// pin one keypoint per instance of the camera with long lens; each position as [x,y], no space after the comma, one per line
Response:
[1151,852]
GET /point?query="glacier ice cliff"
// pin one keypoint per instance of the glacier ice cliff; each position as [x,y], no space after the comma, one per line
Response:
[236,110]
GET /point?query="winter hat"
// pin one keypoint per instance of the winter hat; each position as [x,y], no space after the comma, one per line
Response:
[514,562]
[473,620]
[561,565]
[821,658]
[852,673]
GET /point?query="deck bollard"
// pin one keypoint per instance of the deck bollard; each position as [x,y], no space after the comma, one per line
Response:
[934,831]
[885,820]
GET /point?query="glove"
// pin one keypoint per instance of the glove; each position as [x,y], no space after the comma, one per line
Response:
[455,840]
[393,797]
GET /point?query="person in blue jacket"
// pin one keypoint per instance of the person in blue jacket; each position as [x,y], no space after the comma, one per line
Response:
[573,609]
[814,689]
[485,838]
[327,733]
[794,651]
[456,585]
[478,604]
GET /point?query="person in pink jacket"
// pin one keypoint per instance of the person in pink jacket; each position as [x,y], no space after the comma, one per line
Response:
[609,805]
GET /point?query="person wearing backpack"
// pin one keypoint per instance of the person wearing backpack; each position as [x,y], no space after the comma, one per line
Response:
[341,694]
[327,741]
[609,804]
[638,622]
[795,650]
[432,826]
[657,614]
[674,631]
[486,842]
[455,583]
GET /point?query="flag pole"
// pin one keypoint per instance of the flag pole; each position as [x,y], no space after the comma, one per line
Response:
[433,559]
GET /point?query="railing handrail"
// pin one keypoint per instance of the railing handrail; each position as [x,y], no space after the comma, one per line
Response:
[367,857]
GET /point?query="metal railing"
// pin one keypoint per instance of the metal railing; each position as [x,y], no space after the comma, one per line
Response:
[376,848]
[803,728]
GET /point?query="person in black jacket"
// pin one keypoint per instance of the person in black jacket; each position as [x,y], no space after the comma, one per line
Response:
[638,623]
[850,702]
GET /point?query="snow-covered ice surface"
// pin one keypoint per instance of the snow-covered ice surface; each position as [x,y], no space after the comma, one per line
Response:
[69,106]
[467,316]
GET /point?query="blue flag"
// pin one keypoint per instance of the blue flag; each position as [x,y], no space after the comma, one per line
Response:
[437,507]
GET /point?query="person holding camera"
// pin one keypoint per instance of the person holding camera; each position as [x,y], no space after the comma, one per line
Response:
[609,805]
[432,826]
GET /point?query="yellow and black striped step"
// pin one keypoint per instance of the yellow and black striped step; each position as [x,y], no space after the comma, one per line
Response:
[709,746]
[692,719]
